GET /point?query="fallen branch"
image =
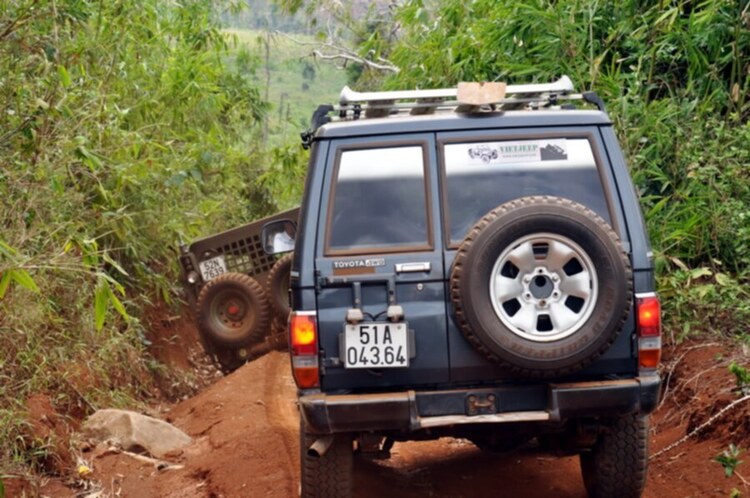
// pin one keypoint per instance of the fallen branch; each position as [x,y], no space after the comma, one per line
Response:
[744,481]
[330,51]
[701,427]
[159,464]
[355,58]
[673,365]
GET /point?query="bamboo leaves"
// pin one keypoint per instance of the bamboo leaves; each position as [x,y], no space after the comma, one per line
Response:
[104,297]
[11,272]
[94,262]
[18,276]
[64,76]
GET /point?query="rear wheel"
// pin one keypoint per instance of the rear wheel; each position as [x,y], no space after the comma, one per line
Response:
[277,287]
[329,475]
[617,464]
[233,310]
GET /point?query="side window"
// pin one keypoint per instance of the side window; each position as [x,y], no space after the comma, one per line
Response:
[379,201]
[481,176]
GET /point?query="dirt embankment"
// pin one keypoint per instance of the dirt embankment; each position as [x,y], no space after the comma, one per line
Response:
[246,445]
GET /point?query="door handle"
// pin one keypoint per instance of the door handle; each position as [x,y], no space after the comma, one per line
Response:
[423,267]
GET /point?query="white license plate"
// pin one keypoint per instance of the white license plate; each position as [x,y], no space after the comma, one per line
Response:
[376,345]
[212,268]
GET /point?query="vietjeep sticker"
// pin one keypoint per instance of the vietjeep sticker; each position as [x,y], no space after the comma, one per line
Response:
[517,152]
[358,263]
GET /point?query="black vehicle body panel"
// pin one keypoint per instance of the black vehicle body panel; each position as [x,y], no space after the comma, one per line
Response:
[444,360]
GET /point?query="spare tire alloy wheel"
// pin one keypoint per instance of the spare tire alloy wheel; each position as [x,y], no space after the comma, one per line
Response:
[541,285]
[233,310]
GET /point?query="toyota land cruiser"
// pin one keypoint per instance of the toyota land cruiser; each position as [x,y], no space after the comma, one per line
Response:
[472,263]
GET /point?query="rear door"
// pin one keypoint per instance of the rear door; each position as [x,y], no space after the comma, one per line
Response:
[379,245]
[480,171]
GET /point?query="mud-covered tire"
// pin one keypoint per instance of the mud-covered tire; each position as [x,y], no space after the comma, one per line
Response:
[233,311]
[277,286]
[328,476]
[522,220]
[617,465]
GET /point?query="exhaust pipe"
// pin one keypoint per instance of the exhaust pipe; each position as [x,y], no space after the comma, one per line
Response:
[320,447]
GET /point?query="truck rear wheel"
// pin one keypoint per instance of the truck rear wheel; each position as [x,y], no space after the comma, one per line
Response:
[329,475]
[616,466]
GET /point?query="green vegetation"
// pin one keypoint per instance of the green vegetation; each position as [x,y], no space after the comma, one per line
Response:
[296,82]
[729,459]
[293,84]
[742,376]
[123,129]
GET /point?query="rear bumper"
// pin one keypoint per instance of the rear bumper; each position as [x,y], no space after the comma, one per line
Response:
[415,410]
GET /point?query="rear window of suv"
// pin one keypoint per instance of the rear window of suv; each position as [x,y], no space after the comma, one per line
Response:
[480,176]
[379,202]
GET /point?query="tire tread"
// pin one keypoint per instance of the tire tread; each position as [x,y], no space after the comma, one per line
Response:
[460,261]
[280,307]
[617,466]
[329,476]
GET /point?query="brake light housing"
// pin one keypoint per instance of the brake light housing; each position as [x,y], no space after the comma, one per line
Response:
[303,346]
[648,325]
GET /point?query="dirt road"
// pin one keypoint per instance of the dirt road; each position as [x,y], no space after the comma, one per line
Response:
[246,445]
[245,427]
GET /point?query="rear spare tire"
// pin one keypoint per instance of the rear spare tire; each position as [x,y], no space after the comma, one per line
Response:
[233,310]
[541,285]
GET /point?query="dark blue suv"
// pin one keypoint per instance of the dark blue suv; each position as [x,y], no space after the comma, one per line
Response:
[472,263]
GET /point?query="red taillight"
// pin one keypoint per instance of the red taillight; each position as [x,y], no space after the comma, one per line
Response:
[648,314]
[303,341]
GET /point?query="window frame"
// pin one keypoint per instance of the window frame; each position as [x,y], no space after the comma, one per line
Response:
[441,142]
[426,181]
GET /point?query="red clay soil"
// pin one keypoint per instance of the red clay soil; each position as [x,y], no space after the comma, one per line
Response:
[246,445]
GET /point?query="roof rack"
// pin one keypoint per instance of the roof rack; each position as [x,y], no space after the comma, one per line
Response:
[466,98]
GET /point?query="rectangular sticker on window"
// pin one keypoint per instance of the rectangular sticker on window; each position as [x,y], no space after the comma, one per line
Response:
[513,152]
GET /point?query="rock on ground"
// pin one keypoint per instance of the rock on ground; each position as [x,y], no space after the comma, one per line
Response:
[135,432]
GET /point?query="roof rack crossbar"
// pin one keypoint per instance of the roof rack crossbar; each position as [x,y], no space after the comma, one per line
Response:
[348,96]
[356,105]
[420,107]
